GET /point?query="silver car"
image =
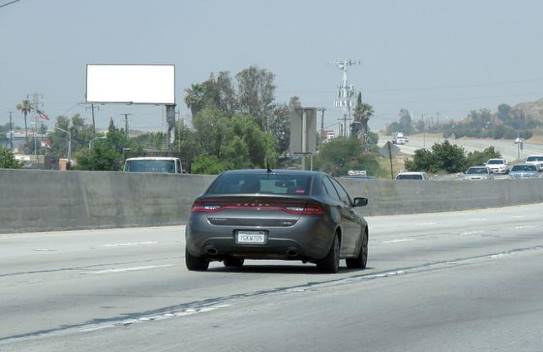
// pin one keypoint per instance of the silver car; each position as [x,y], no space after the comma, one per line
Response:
[478,173]
[279,214]
[524,171]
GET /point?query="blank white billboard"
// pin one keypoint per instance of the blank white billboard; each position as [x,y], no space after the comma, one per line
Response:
[132,84]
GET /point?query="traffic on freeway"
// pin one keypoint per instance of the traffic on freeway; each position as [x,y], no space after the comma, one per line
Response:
[458,281]
[271,176]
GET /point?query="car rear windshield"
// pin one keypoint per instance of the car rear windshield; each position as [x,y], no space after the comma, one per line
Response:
[528,168]
[535,158]
[477,171]
[150,166]
[409,177]
[495,162]
[265,183]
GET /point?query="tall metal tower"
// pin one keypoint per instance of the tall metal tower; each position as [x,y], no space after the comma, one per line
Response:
[345,94]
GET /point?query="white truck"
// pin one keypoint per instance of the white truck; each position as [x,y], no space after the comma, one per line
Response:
[536,160]
[168,165]
[400,139]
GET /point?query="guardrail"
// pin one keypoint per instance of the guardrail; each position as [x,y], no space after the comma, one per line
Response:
[34,200]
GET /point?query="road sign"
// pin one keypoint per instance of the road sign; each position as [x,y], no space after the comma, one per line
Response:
[303,127]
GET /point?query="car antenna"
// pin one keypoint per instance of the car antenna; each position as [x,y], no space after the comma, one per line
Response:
[268,166]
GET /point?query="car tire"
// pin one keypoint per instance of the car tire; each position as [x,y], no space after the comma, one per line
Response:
[361,260]
[233,262]
[194,263]
[330,263]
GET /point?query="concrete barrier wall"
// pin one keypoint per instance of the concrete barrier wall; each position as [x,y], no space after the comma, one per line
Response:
[408,197]
[32,200]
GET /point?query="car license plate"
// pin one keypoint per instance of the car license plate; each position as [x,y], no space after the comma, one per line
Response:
[251,237]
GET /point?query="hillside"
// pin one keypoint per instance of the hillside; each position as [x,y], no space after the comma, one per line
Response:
[532,109]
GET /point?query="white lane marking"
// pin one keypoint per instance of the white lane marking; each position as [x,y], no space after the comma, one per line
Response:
[163,316]
[518,216]
[129,244]
[425,223]
[134,268]
[520,227]
[477,219]
[44,250]
[398,240]
[467,233]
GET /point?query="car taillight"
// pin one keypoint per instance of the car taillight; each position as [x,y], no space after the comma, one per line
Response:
[308,209]
[313,209]
[200,207]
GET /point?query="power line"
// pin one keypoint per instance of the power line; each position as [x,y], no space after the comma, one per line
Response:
[9,3]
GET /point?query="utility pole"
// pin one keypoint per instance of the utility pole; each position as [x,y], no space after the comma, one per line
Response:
[345,93]
[424,131]
[10,131]
[92,109]
[389,147]
[322,110]
[36,104]
[126,123]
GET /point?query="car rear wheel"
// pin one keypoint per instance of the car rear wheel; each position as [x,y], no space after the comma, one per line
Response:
[233,262]
[195,263]
[362,259]
[330,263]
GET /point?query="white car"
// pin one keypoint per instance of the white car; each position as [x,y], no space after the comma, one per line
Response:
[478,173]
[536,160]
[400,139]
[416,176]
[497,166]
[153,164]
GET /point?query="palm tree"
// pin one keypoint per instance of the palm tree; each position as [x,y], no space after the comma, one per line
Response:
[25,107]
[362,114]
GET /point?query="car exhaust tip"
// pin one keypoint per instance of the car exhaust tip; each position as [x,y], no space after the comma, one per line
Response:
[212,251]
[292,252]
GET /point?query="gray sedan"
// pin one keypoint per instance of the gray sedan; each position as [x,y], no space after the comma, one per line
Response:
[524,171]
[279,214]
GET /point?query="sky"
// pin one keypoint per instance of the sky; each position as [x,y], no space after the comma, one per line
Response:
[431,57]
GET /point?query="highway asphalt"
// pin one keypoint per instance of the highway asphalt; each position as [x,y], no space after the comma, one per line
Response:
[457,281]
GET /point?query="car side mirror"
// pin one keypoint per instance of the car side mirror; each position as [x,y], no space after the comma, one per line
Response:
[360,202]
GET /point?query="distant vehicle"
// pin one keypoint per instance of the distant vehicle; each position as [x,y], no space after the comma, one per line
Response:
[497,166]
[279,214]
[524,171]
[536,160]
[400,138]
[168,165]
[478,173]
[417,176]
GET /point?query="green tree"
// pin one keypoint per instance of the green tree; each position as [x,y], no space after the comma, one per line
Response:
[208,165]
[217,92]
[7,159]
[362,114]
[25,107]
[102,157]
[81,134]
[343,154]
[444,157]
[256,94]
[405,122]
[186,145]
[236,154]
[423,160]
[481,157]
[280,128]
[210,125]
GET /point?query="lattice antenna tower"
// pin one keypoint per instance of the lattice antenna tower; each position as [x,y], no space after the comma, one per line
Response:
[346,93]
